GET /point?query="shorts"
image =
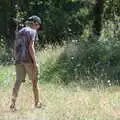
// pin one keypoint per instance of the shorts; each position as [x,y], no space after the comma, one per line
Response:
[26,69]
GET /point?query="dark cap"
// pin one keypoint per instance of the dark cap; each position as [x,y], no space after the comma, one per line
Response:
[35,18]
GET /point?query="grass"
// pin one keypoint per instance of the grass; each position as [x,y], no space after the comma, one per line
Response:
[63,102]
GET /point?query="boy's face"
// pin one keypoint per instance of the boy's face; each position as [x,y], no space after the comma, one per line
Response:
[36,26]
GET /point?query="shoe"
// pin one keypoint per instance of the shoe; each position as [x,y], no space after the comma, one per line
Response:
[13,108]
[38,105]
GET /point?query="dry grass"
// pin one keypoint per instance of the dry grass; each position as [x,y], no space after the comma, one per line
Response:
[63,103]
[71,102]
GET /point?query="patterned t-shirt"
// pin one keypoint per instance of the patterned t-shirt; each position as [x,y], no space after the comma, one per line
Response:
[22,41]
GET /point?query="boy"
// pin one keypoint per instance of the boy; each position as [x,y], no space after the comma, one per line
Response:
[25,59]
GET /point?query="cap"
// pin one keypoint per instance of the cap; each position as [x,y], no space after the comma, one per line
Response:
[35,18]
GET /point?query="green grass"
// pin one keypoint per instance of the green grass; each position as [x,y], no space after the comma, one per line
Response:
[75,101]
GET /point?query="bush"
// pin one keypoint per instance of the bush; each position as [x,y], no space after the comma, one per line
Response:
[83,60]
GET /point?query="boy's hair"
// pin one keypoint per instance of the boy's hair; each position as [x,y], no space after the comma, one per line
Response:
[29,23]
[34,20]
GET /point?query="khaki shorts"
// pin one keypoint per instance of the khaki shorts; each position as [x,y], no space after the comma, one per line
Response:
[26,68]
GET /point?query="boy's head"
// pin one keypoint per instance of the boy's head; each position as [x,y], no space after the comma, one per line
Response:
[34,22]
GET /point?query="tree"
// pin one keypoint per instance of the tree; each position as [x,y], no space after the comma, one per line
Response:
[7,13]
[98,12]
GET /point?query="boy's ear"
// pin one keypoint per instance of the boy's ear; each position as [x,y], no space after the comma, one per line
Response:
[41,27]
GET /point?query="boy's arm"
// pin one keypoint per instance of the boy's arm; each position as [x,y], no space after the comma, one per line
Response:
[32,52]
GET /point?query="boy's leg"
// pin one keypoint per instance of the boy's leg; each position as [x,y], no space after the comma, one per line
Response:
[15,93]
[38,102]
[20,76]
[35,92]
[33,75]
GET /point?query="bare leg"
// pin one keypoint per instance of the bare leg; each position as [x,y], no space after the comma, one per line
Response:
[35,92]
[33,75]
[15,93]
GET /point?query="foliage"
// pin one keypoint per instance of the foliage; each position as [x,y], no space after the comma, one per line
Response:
[83,61]
[61,20]
[76,22]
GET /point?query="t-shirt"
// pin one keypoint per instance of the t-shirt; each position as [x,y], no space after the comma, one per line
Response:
[22,41]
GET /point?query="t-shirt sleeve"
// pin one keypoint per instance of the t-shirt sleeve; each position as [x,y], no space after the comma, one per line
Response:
[33,35]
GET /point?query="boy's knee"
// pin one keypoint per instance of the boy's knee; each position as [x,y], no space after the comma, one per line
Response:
[34,82]
[17,83]
[34,85]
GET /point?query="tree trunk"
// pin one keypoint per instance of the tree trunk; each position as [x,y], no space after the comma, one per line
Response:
[98,11]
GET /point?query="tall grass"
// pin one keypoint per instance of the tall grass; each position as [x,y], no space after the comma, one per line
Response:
[77,62]
[85,61]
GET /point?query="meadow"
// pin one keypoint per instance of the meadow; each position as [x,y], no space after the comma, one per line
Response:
[72,101]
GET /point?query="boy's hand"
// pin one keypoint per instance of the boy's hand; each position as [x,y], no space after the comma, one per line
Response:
[35,66]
